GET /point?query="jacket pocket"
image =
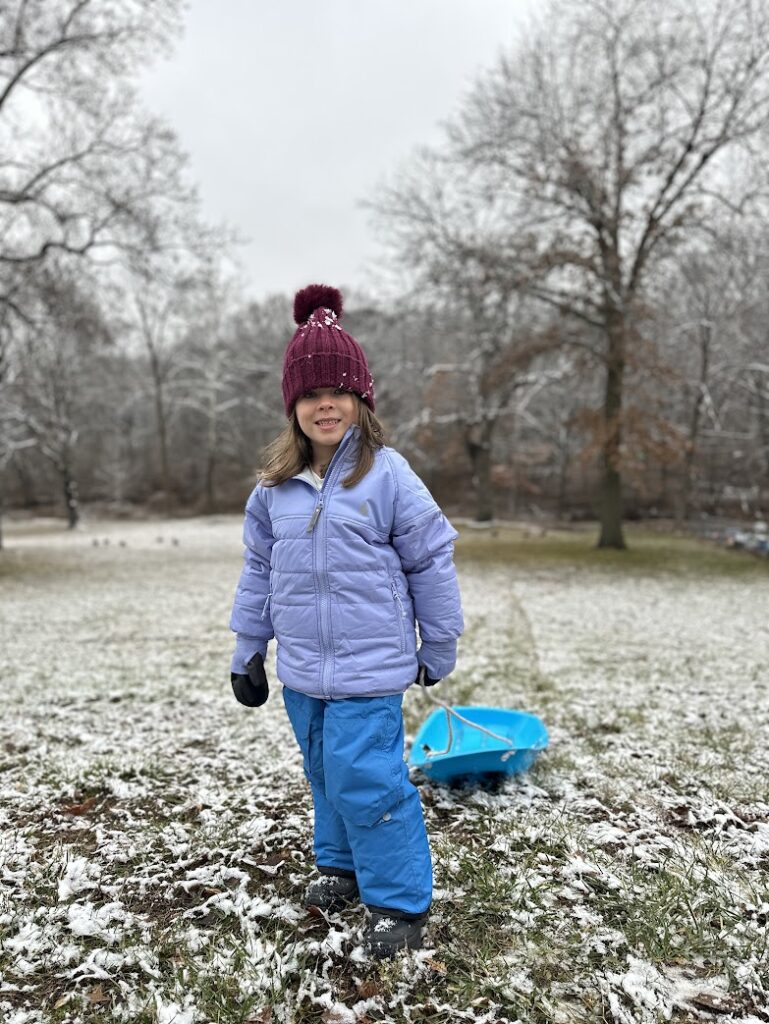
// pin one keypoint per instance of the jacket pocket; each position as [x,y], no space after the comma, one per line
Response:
[400,613]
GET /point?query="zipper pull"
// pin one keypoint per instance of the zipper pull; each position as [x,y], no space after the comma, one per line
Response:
[266,604]
[316,513]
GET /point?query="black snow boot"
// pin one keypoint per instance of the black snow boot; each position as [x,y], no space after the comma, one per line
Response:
[331,891]
[390,931]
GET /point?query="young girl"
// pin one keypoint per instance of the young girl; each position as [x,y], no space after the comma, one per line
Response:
[345,551]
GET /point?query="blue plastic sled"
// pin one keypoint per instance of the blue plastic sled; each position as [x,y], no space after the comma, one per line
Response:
[473,753]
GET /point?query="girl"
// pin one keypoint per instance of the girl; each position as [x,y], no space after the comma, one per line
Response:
[345,550]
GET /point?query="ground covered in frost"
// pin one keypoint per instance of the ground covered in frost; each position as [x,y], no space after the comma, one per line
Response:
[155,836]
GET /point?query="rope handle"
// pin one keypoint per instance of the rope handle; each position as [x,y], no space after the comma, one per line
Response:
[451,713]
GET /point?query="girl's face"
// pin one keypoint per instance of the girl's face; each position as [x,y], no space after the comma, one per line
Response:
[324,415]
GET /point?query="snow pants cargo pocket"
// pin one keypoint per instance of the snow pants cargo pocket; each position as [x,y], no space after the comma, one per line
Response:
[352,751]
[363,757]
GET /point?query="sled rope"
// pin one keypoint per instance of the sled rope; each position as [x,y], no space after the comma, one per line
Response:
[451,713]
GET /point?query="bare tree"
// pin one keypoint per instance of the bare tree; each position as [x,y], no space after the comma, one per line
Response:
[756,386]
[13,436]
[750,362]
[258,336]
[475,391]
[481,336]
[85,170]
[702,301]
[212,371]
[49,397]
[161,307]
[583,159]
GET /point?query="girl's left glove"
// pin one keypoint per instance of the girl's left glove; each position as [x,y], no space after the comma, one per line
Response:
[252,689]
[422,677]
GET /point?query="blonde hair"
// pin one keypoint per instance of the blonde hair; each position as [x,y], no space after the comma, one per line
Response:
[291,450]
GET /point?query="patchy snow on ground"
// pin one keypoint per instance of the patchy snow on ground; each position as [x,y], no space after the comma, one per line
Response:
[155,836]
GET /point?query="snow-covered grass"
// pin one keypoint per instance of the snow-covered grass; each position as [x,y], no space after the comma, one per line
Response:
[156,837]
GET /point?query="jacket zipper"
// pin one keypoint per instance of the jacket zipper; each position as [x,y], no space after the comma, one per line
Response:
[319,542]
[402,616]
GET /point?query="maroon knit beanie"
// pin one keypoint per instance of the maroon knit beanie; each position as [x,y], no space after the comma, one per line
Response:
[321,354]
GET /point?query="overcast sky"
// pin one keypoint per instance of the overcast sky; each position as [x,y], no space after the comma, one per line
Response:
[293,110]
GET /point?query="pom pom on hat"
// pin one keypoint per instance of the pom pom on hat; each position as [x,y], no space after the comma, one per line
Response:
[321,354]
[313,296]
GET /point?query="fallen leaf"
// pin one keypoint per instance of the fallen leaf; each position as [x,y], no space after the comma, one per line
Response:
[62,1000]
[82,808]
[368,989]
[98,995]
[714,1003]
[263,1016]
[276,858]
[436,965]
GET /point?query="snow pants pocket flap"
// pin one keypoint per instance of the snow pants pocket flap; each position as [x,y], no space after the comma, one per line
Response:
[363,757]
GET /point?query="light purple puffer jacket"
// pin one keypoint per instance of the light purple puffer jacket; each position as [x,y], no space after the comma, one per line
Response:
[340,576]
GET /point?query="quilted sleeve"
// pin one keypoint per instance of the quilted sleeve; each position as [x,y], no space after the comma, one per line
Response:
[424,540]
[250,618]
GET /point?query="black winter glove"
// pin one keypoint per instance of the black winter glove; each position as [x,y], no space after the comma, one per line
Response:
[422,677]
[252,689]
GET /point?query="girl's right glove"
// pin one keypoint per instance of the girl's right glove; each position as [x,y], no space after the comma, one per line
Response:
[252,689]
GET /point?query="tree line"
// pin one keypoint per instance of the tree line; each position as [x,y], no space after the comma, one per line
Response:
[578,322]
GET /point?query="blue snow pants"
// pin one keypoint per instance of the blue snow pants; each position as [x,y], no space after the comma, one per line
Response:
[368,817]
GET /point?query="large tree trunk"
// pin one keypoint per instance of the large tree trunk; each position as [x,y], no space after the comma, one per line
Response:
[610,496]
[478,444]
